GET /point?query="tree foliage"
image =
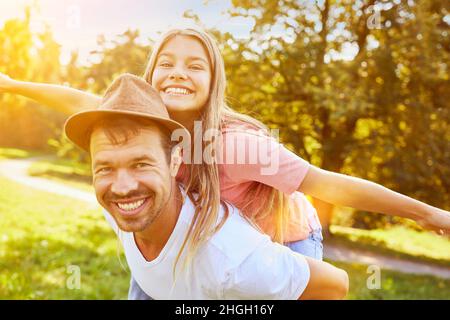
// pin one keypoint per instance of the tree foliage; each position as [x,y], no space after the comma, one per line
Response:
[382,114]
[26,55]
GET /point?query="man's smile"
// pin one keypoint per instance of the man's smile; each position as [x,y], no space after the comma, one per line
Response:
[131,207]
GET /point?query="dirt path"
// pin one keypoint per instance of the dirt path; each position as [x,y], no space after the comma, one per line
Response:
[16,170]
[345,254]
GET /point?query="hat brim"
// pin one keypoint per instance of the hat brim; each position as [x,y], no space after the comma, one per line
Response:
[79,126]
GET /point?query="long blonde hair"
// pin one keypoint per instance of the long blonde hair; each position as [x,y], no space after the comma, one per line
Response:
[204,178]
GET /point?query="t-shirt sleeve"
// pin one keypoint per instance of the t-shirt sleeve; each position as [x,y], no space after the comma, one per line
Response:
[111,221]
[257,157]
[272,272]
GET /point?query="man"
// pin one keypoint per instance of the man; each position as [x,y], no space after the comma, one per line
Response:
[134,167]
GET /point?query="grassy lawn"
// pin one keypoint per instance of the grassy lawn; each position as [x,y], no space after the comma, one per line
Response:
[11,153]
[394,285]
[397,241]
[73,174]
[39,242]
[42,235]
[62,169]
[83,186]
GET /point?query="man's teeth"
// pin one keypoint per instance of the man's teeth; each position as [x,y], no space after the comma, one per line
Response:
[177,90]
[130,206]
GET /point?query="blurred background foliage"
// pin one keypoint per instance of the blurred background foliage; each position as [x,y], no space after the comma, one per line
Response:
[382,114]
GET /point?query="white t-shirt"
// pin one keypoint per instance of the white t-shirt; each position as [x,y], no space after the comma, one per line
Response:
[238,262]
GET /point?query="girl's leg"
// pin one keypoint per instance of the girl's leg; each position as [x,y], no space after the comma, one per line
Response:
[311,247]
[135,292]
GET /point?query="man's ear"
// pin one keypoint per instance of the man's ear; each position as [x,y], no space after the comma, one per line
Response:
[175,160]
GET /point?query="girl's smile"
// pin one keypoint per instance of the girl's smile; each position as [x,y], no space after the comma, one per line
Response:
[177,91]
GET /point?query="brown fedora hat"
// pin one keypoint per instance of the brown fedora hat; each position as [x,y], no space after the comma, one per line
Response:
[128,95]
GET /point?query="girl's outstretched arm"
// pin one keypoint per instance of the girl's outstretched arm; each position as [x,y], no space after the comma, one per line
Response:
[57,97]
[340,189]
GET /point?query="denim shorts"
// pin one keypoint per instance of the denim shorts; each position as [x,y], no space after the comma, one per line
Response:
[311,247]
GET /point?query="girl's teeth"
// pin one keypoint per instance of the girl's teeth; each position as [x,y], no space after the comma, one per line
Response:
[177,90]
[130,206]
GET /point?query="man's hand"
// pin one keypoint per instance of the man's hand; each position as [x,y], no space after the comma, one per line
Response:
[437,220]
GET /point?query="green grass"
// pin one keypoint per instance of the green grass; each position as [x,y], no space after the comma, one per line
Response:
[393,285]
[398,241]
[11,153]
[42,234]
[83,186]
[61,169]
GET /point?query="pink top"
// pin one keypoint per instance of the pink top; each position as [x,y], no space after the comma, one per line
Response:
[253,163]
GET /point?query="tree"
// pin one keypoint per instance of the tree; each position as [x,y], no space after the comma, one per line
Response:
[31,56]
[349,115]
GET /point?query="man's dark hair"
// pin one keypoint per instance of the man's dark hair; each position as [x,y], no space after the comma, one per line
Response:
[119,129]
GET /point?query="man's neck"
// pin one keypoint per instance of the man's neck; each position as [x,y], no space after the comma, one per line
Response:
[153,239]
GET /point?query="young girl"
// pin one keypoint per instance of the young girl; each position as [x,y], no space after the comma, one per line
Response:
[186,67]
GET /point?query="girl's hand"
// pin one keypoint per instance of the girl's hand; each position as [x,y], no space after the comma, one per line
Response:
[437,220]
[6,83]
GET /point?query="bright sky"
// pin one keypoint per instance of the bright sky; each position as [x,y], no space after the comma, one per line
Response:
[77,23]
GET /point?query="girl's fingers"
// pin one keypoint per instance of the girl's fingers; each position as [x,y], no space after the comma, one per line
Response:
[440,231]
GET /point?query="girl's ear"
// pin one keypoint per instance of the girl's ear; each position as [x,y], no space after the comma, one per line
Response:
[175,161]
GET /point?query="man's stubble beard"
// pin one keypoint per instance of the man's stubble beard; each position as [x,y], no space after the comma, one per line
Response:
[151,218]
[142,223]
